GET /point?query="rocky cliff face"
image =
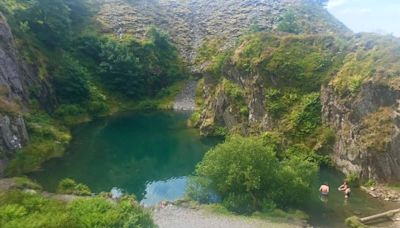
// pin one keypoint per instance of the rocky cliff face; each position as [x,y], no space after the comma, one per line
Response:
[190,23]
[360,102]
[366,120]
[367,131]
[13,133]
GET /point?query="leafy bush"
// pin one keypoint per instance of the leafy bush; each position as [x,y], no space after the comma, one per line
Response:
[211,57]
[26,183]
[131,68]
[99,212]
[245,172]
[18,209]
[71,82]
[198,188]
[289,23]
[306,117]
[69,186]
[353,179]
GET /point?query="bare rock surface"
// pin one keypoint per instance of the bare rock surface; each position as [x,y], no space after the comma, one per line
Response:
[383,192]
[13,132]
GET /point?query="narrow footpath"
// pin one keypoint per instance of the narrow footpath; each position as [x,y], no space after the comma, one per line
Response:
[185,101]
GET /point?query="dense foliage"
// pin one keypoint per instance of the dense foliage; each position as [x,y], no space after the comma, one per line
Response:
[248,176]
[132,68]
[289,23]
[85,67]
[19,209]
[69,186]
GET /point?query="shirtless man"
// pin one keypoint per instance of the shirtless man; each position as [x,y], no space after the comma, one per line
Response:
[324,189]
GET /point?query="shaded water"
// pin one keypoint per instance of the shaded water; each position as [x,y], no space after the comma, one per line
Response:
[148,154]
[151,154]
[333,212]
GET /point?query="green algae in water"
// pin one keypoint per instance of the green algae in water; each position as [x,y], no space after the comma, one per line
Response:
[148,154]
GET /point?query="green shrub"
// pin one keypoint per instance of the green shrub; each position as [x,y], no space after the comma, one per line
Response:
[369,183]
[198,189]
[220,131]
[239,203]
[353,179]
[194,119]
[289,23]
[305,118]
[71,82]
[19,209]
[26,183]
[245,172]
[69,186]
[354,222]
[99,212]
[71,114]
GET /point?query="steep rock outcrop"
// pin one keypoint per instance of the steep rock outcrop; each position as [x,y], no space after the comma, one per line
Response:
[365,113]
[13,132]
[367,131]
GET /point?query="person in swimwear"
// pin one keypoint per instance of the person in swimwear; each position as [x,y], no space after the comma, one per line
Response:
[346,189]
[324,189]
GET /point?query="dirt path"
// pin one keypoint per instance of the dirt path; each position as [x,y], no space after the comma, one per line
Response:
[186,99]
[178,217]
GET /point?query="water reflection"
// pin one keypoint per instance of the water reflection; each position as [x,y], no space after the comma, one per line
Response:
[169,190]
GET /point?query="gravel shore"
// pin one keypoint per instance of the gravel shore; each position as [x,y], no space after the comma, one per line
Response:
[179,217]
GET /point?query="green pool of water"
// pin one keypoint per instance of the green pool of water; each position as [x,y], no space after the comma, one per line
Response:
[151,154]
[148,154]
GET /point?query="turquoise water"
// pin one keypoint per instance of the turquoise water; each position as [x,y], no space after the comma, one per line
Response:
[148,154]
[151,155]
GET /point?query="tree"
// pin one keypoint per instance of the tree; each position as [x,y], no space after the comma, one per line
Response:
[71,82]
[49,20]
[246,174]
